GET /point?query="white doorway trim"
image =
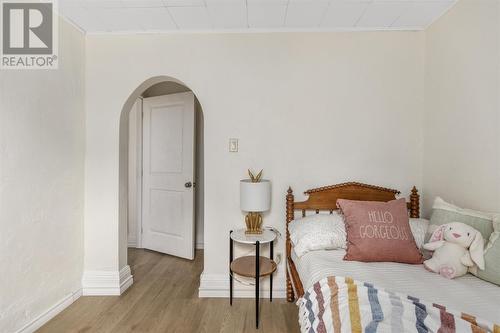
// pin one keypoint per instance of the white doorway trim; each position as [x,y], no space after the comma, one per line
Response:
[135,179]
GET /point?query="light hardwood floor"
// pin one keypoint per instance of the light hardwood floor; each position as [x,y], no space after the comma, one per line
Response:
[164,298]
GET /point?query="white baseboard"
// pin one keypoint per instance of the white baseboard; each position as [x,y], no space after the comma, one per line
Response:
[106,283]
[133,244]
[217,285]
[53,311]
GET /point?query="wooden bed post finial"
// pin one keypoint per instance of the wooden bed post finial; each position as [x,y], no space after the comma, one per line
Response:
[414,203]
[289,217]
[289,205]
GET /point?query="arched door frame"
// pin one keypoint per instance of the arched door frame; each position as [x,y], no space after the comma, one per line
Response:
[123,159]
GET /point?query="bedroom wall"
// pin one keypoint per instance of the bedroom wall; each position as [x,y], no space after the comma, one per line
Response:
[42,146]
[462,111]
[310,109]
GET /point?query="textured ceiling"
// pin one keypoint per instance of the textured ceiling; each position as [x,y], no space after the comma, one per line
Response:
[96,16]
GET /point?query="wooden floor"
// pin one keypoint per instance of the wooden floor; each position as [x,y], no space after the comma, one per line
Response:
[164,298]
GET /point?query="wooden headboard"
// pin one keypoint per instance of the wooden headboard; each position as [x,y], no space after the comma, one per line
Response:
[325,199]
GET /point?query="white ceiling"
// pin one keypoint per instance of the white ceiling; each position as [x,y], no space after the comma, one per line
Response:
[96,16]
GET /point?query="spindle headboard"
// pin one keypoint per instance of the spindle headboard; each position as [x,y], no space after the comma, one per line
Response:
[325,199]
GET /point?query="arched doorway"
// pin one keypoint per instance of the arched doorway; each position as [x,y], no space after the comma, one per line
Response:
[130,159]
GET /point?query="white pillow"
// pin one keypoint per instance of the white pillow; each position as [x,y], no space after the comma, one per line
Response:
[327,232]
[317,232]
[419,229]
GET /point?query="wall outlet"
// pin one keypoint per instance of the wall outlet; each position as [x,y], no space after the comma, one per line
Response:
[233,145]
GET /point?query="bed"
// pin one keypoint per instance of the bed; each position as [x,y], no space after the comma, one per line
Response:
[468,294]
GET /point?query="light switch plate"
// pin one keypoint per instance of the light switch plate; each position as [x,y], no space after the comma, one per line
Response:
[233,145]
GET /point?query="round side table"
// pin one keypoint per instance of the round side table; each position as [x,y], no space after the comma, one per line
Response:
[253,266]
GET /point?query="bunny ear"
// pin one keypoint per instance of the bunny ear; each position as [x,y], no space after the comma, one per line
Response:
[438,234]
[477,250]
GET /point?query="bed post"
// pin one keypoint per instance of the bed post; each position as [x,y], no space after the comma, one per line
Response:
[289,218]
[414,203]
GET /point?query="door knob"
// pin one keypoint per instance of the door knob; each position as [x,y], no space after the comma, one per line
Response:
[188,185]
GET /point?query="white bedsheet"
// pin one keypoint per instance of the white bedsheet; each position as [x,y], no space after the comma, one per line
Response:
[467,294]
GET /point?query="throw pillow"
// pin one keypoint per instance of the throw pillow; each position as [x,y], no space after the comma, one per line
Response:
[379,231]
[444,213]
[491,272]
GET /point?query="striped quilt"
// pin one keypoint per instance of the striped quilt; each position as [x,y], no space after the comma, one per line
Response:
[337,304]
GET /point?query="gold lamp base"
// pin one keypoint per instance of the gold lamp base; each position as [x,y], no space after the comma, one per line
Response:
[254,223]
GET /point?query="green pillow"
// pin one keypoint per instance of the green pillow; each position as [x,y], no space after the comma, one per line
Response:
[444,212]
[491,270]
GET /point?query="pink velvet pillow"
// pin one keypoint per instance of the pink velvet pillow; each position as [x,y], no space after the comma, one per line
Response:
[379,231]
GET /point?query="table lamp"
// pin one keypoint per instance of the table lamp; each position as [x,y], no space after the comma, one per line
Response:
[255,198]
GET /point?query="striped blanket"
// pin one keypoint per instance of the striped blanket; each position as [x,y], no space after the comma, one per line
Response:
[337,304]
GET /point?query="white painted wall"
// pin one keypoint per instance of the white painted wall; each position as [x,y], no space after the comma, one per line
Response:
[310,109]
[42,150]
[462,111]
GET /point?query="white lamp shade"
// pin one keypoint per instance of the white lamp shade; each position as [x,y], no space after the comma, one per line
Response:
[255,197]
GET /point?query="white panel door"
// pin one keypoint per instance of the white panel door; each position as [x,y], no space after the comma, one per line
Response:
[168,174]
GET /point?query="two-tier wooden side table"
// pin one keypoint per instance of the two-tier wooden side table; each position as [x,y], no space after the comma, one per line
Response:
[253,266]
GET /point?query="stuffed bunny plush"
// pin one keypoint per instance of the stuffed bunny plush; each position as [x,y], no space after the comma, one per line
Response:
[456,247]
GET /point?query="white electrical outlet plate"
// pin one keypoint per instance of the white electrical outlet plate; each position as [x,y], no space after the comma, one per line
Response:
[233,145]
